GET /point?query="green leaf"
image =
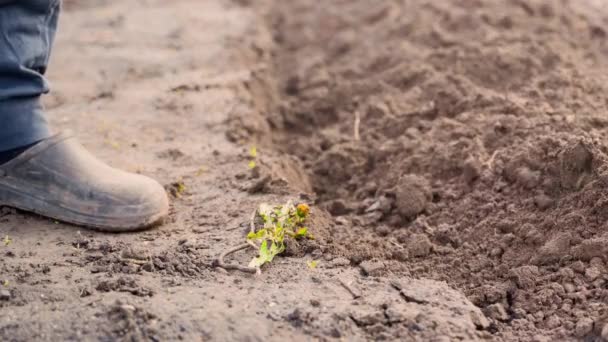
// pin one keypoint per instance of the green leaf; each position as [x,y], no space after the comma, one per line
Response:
[264,256]
[276,249]
[253,152]
[257,235]
[301,232]
[312,264]
[251,165]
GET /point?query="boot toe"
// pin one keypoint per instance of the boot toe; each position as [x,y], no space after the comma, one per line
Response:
[58,178]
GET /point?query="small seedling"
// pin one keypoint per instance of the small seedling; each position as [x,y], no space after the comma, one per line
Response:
[312,264]
[5,283]
[7,240]
[253,153]
[279,221]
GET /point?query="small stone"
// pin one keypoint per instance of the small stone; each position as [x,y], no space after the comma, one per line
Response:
[592,273]
[5,295]
[583,327]
[372,268]
[497,311]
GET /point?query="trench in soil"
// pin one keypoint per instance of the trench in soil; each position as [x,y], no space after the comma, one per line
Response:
[463,151]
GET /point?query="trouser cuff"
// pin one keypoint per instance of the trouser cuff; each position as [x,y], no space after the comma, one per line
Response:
[22,122]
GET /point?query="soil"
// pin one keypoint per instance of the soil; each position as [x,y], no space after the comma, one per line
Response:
[452,154]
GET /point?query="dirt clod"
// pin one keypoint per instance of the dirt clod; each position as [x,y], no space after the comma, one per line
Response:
[412,195]
[497,311]
[583,327]
[419,245]
[372,268]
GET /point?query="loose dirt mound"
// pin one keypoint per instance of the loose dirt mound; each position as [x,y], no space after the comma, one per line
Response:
[461,141]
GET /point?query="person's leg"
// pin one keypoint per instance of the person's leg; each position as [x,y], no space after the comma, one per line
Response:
[54,176]
[27,30]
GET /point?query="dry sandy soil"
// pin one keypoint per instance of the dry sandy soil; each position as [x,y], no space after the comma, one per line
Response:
[453,153]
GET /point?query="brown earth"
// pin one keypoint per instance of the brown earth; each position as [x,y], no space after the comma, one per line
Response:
[452,153]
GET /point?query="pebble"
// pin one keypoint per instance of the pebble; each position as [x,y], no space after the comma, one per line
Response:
[5,295]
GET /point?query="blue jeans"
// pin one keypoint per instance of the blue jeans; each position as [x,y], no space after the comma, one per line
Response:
[27,30]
